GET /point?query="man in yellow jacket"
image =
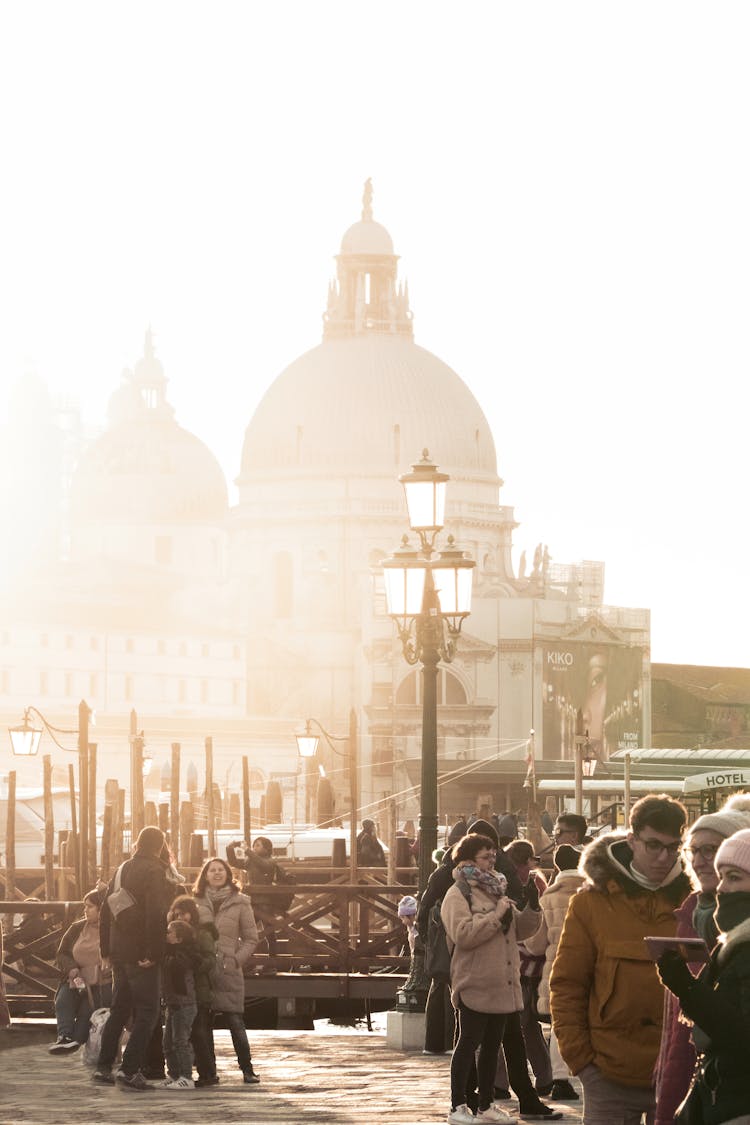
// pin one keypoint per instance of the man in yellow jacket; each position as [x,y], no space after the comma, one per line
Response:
[606,999]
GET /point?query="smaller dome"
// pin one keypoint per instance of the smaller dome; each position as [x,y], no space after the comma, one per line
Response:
[148,471]
[367,237]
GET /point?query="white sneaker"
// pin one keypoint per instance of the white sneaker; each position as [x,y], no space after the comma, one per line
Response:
[460,1115]
[180,1084]
[496,1115]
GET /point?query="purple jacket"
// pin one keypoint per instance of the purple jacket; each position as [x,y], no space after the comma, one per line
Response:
[676,1061]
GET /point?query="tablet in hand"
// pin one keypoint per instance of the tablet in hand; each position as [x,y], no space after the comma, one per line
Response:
[690,949]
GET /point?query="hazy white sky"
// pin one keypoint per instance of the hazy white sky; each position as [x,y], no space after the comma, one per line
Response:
[567,185]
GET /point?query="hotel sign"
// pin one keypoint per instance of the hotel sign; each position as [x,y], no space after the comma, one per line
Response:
[718,779]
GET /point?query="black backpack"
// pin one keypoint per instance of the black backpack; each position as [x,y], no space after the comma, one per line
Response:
[437,956]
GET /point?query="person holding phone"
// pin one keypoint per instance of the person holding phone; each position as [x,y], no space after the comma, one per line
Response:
[483,928]
[695,918]
[718,1001]
[605,999]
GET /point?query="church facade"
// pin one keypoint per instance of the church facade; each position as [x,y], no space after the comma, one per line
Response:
[240,622]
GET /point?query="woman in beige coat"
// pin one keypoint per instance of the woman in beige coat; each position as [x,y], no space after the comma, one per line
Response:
[554,905]
[220,901]
[483,929]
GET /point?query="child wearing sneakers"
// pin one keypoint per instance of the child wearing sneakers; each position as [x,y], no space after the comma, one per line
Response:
[185,909]
[180,961]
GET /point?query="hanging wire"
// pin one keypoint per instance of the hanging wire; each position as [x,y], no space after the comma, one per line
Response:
[444,779]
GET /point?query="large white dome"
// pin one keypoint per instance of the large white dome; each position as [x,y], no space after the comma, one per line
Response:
[367,406]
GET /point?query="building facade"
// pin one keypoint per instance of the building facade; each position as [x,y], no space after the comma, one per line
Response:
[242,621]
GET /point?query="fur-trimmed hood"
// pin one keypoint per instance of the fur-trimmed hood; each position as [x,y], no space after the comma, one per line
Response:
[607,859]
[740,935]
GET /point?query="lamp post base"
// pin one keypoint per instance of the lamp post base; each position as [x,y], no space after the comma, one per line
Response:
[405,1030]
[413,996]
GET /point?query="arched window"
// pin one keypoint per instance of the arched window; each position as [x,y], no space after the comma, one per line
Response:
[450,690]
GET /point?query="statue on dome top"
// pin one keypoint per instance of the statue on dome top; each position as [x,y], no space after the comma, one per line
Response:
[367,201]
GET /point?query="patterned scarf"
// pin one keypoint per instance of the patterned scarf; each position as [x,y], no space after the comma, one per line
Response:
[491,882]
[217,897]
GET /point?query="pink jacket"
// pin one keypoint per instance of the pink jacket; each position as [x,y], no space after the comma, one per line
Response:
[676,1061]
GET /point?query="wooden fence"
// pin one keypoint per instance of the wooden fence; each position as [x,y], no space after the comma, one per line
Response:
[332,929]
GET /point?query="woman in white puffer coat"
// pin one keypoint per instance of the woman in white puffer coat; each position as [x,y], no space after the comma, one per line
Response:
[554,905]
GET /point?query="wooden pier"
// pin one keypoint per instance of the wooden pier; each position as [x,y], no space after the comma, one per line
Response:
[338,948]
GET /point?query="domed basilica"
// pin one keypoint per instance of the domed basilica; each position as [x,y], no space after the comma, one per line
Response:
[241,622]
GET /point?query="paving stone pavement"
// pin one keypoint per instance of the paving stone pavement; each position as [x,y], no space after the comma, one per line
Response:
[332,1077]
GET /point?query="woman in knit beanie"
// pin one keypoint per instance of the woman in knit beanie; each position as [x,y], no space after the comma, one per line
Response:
[718,1002]
[695,918]
[704,837]
[407,912]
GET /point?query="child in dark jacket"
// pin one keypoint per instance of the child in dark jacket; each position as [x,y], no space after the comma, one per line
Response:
[180,962]
[185,909]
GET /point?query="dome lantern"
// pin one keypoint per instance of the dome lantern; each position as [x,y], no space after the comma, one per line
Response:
[366,297]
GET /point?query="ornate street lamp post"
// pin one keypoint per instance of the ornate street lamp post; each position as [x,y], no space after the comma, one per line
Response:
[428,598]
[307,745]
[24,740]
[585,760]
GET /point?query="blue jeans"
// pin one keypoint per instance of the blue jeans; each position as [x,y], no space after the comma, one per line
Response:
[177,1050]
[135,991]
[73,1009]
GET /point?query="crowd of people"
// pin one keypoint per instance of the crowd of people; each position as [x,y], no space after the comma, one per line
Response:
[636,953]
[150,952]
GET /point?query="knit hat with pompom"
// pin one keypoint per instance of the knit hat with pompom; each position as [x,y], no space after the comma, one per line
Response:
[735,852]
[407,906]
[733,816]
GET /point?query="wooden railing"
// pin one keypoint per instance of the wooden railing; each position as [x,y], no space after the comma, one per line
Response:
[332,928]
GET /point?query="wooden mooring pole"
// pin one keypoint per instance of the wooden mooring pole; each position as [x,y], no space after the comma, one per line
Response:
[10,838]
[210,810]
[92,867]
[174,801]
[49,831]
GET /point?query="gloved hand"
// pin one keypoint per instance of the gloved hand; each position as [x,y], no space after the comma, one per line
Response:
[532,894]
[674,973]
[504,908]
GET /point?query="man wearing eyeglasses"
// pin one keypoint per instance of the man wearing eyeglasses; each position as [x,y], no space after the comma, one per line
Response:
[570,829]
[605,996]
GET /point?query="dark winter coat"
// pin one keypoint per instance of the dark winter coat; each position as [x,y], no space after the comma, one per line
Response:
[719,1003]
[205,971]
[64,957]
[265,872]
[606,998]
[178,974]
[369,850]
[138,933]
[457,832]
